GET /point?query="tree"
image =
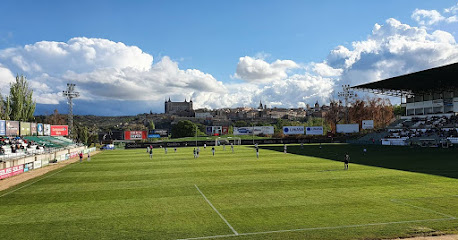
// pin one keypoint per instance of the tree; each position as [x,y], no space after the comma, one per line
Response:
[241,123]
[184,128]
[81,133]
[2,107]
[7,109]
[56,118]
[335,114]
[398,110]
[378,109]
[20,100]
[151,125]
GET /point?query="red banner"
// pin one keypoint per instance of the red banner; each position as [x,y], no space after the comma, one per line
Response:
[225,130]
[59,130]
[11,171]
[135,135]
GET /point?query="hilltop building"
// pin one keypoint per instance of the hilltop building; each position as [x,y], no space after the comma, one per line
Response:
[183,109]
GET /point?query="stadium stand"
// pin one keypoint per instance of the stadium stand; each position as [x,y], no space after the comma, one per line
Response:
[430,98]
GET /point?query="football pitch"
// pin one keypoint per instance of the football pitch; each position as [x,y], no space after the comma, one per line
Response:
[388,192]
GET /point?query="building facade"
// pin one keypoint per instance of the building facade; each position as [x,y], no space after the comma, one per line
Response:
[184,109]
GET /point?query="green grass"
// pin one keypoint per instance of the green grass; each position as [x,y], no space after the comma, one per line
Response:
[389,192]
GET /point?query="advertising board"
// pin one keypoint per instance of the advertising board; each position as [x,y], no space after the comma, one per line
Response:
[225,130]
[59,130]
[267,130]
[243,130]
[37,164]
[347,128]
[152,135]
[135,135]
[46,129]
[25,129]
[214,130]
[368,124]
[11,171]
[293,130]
[2,127]
[33,129]
[40,129]
[314,130]
[161,132]
[12,128]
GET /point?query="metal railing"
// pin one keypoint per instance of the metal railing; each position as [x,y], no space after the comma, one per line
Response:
[33,152]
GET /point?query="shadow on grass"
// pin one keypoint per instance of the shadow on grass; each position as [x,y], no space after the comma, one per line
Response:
[435,161]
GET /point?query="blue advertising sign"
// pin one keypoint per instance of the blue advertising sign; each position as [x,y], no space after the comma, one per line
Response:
[40,129]
[154,136]
[2,127]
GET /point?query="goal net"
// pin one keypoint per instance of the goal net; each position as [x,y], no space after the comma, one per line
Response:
[227,141]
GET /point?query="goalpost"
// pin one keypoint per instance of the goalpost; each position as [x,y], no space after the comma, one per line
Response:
[228,141]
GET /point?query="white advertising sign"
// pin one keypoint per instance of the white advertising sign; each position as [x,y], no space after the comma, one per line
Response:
[37,164]
[243,130]
[347,128]
[314,130]
[292,130]
[267,130]
[368,124]
[47,129]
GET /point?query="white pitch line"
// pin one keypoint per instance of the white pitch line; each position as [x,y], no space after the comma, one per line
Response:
[66,167]
[216,210]
[318,228]
[422,208]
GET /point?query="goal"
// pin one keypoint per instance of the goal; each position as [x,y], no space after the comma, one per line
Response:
[228,141]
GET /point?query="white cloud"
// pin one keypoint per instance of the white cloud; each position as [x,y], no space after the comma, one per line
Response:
[452,19]
[432,17]
[258,70]
[296,90]
[452,9]
[102,70]
[393,49]
[323,69]
[6,77]
[106,71]
[427,17]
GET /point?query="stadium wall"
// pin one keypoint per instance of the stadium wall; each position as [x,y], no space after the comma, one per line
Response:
[38,161]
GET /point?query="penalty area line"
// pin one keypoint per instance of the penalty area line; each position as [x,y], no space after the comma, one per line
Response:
[318,228]
[216,210]
[422,208]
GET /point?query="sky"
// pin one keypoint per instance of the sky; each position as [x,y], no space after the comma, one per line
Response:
[127,57]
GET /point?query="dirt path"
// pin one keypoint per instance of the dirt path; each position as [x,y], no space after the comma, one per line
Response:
[15,180]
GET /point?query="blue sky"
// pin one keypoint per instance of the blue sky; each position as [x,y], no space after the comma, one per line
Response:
[220,53]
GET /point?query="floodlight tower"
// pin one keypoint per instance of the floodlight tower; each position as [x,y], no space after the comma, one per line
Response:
[346,94]
[70,94]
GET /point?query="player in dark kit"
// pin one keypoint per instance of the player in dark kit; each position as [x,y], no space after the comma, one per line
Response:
[346,161]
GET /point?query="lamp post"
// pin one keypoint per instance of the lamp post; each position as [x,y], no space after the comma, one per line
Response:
[346,94]
[70,94]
